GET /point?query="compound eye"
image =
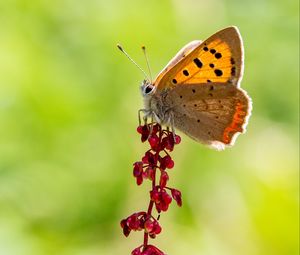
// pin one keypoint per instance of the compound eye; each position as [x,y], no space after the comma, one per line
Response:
[149,89]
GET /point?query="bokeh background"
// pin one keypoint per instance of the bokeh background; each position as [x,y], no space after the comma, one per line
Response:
[68,114]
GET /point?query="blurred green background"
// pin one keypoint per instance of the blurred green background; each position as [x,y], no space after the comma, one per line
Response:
[68,114]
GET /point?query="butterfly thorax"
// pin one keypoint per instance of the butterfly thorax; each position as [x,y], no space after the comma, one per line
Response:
[155,103]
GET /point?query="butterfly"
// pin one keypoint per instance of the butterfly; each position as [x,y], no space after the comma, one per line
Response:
[198,92]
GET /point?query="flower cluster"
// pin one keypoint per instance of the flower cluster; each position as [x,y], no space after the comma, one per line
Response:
[139,221]
[148,250]
[155,161]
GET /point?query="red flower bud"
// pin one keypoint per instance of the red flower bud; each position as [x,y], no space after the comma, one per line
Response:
[152,250]
[149,158]
[170,142]
[176,194]
[157,229]
[144,131]
[149,173]
[155,128]
[166,162]
[123,223]
[137,251]
[170,163]
[133,222]
[155,196]
[126,229]
[137,169]
[166,199]
[177,139]
[149,225]
[139,180]
[164,177]
[154,142]
[140,129]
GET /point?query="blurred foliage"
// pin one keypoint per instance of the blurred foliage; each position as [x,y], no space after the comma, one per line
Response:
[68,111]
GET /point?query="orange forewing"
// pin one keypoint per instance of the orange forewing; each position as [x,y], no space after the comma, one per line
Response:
[187,49]
[218,59]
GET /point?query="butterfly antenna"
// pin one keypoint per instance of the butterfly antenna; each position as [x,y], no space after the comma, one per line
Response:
[147,61]
[126,54]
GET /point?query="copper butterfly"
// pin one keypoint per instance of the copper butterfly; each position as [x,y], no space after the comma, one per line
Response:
[198,92]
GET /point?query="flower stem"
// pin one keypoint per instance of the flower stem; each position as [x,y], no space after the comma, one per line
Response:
[151,203]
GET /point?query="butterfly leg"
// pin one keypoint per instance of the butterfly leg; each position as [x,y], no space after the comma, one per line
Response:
[145,112]
[171,123]
[151,127]
[153,115]
[173,130]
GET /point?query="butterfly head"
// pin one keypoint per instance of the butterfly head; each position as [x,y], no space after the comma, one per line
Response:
[147,88]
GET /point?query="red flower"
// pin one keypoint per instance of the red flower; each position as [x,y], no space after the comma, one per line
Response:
[156,159]
[161,199]
[176,194]
[164,177]
[166,162]
[148,250]
[152,227]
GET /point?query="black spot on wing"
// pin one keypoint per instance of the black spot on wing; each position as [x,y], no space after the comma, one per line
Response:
[218,72]
[186,72]
[198,62]
[218,55]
